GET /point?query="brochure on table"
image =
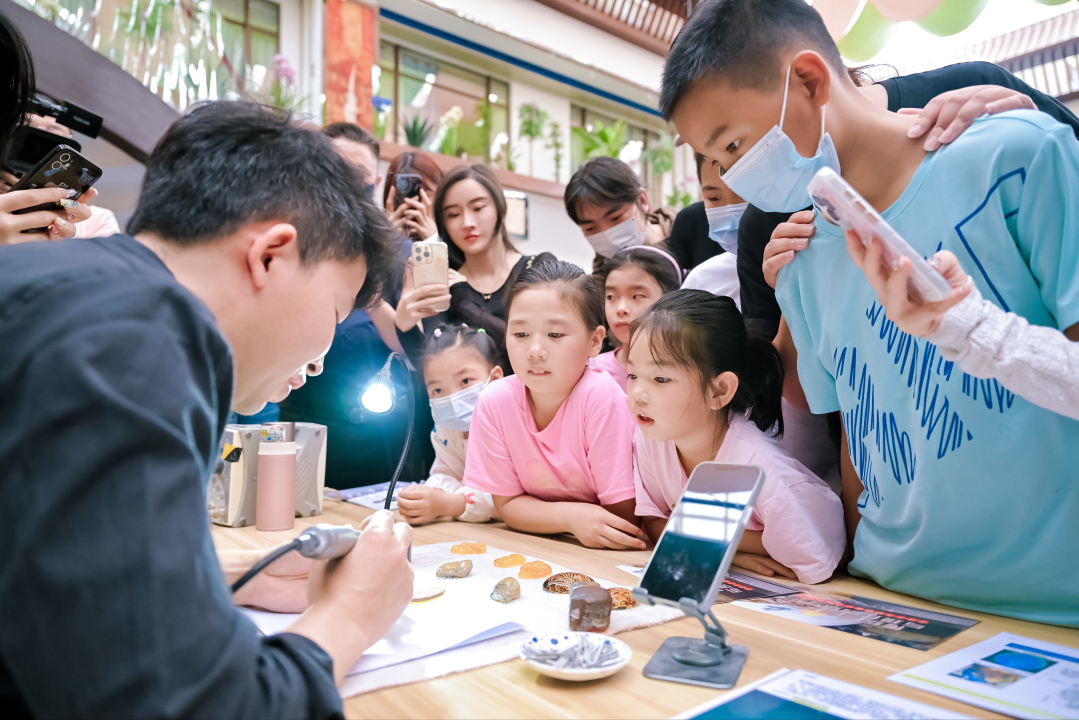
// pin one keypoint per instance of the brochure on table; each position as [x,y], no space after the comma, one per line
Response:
[736,586]
[800,695]
[877,619]
[1008,674]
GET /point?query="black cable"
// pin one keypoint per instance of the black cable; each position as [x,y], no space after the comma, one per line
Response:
[264,562]
[408,432]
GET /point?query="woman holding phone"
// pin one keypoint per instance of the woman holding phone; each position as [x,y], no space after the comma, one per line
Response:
[469,213]
[408,195]
[15,95]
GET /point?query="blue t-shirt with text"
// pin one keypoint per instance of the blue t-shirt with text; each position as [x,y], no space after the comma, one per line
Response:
[971,492]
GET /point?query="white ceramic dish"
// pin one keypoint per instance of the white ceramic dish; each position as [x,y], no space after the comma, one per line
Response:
[625,654]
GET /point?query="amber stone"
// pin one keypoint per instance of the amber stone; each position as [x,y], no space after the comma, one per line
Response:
[506,590]
[533,570]
[560,583]
[510,561]
[457,569]
[622,598]
[467,548]
[589,607]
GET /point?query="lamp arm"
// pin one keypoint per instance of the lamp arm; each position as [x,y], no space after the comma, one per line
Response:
[408,430]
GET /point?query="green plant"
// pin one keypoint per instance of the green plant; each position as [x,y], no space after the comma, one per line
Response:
[554,142]
[533,122]
[680,198]
[485,123]
[446,139]
[416,131]
[661,158]
[603,140]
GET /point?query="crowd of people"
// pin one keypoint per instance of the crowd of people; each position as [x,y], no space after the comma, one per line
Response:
[924,446]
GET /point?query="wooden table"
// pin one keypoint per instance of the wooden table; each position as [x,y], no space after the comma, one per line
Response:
[514,690]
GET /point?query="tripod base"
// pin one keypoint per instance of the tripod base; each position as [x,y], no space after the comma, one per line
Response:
[697,662]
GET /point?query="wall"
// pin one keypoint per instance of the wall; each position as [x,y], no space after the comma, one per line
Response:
[546,27]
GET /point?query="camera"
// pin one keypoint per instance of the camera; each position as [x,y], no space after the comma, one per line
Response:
[34,144]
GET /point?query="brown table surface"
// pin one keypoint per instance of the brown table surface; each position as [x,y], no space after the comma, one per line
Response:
[514,690]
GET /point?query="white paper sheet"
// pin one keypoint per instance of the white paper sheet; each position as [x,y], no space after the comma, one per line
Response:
[466,611]
[835,698]
[373,497]
[1008,674]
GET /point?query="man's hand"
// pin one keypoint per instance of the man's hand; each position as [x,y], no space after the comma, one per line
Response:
[762,565]
[947,115]
[787,239]
[354,599]
[597,527]
[280,588]
[421,503]
[910,313]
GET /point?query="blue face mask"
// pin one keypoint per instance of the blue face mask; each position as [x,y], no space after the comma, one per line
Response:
[723,225]
[772,175]
[454,412]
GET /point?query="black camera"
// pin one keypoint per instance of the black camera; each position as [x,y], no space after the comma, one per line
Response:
[34,144]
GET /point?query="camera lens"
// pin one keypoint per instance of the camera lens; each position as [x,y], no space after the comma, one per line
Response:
[66,157]
[56,165]
[427,254]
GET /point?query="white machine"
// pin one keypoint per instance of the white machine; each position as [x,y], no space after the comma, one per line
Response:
[233,488]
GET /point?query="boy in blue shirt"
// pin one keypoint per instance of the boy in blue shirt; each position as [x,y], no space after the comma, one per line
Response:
[967,487]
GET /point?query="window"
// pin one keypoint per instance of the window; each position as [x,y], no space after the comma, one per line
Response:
[424,102]
[636,140]
[183,52]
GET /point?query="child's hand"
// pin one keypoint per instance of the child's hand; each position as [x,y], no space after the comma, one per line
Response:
[597,527]
[422,503]
[911,314]
[762,565]
[787,239]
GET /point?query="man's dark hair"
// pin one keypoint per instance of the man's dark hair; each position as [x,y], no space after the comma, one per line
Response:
[604,182]
[742,41]
[352,132]
[226,164]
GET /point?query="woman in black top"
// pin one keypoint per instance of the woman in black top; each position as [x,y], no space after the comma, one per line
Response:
[470,213]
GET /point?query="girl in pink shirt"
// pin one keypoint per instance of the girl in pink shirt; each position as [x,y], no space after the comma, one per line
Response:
[701,389]
[636,278]
[553,443]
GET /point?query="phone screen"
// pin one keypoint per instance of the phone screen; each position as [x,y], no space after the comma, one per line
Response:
[702,533]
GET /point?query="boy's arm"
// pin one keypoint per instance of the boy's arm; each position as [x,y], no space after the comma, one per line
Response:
[852,490]
[792,388]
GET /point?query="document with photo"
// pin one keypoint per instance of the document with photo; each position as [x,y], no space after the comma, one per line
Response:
[1008,674]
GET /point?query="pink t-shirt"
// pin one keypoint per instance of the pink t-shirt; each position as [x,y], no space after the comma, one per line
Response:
[584,455]
[609,361]
[801,517]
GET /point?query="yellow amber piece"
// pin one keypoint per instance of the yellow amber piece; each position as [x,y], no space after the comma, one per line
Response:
[510,561]
[467,548]
[534,569]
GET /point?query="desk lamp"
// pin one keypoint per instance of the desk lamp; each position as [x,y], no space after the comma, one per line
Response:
[379,396]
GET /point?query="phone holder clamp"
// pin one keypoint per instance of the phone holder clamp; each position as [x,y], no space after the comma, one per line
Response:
[710,662]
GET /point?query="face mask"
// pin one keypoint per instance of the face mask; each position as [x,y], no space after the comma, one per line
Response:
[623,235]
[455,411]
[772,175]
[723,225]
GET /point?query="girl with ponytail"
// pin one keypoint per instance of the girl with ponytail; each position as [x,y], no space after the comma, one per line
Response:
[702,389]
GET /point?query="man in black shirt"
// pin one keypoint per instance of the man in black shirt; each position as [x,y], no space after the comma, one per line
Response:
[759,305]
[251,238]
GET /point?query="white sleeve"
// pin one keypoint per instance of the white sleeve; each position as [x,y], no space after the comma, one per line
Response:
[1038,363]
[479,507]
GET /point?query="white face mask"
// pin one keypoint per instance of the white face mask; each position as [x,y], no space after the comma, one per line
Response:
[623,235]
[454,412]
[772,175]
[723,225]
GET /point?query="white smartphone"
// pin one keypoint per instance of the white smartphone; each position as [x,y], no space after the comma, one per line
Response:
[841,205]
[431,264]
[696,548]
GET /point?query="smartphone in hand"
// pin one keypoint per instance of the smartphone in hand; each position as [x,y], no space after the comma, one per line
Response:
[841,205]
[63,167]
[406,185]
[430,265]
